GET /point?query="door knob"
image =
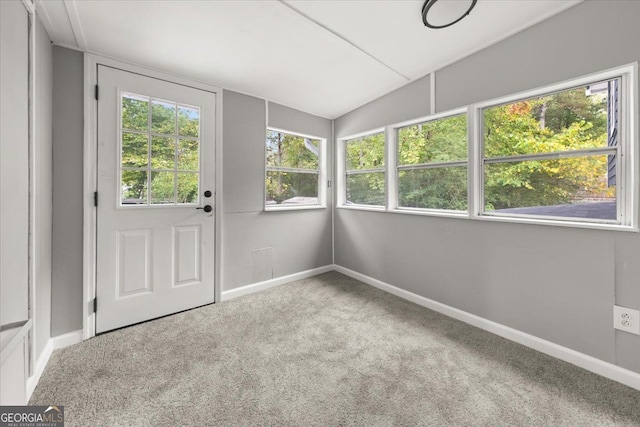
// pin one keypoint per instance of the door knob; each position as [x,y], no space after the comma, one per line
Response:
[207,208]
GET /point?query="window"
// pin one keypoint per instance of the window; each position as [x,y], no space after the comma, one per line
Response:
[559,155]
[556,155]
[293,170]
[432,164]
[159,152]
[365,170]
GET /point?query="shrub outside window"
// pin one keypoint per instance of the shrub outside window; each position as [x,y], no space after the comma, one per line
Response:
[365,170]
[293,165]
[432,164]
[555,155]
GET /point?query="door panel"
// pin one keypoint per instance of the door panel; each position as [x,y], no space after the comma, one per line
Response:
[156,147]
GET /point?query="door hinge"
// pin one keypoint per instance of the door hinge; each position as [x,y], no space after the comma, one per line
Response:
[97,92]
[329,184]
[95,198]
[95,305]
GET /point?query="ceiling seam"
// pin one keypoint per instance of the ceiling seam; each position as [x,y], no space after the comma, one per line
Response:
[344,39]
[76,27]
[43,14]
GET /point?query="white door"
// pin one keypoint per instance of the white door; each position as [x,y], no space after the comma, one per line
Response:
[155,218]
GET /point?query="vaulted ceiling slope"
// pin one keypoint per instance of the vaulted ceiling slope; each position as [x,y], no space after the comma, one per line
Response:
[323,57]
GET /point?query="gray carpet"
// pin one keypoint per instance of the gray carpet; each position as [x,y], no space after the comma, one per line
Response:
[326,351]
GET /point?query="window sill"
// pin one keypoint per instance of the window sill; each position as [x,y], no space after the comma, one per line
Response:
[558,223]
[370,208]
[277,208]
[431,212]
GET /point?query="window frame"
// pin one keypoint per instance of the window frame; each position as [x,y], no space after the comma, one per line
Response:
[394,196]
[322,173]
[342,171]
[149,168]
[628,175]
[627,170]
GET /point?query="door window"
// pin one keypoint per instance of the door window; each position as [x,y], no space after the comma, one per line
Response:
[159,152]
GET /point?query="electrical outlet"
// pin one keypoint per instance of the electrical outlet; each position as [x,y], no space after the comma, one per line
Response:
[626,319]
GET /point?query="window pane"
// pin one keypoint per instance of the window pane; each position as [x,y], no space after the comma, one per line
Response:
[163,153]
[134,187]
[365,153]
[135,112]
[188,155]
[188,121]
[291,151]
[366,189]
[162,188]
[433,188]
[188,187]
[436,141]
[571,187]
[163,117]
[288,188]
[570,120]
[135,150]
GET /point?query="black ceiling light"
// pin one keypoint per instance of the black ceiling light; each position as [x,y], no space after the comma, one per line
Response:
[444,13]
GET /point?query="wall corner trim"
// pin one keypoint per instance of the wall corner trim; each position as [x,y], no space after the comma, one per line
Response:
[261,286]
[597,366]
[54,343]
[41,363]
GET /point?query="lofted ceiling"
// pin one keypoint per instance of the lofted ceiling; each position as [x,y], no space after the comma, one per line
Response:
[319,56]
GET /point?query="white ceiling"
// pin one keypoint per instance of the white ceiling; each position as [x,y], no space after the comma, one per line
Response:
[323,57]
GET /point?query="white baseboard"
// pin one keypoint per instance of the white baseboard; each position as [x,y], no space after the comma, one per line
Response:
[600,367]
[41,363]
[65,340]
[54,343]
[260,286]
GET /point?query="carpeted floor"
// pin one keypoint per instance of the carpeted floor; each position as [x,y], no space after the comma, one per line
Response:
[325,351]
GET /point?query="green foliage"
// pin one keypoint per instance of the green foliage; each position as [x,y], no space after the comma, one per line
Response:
[437,141]
[558,123]
[171,146]
[366,153]
[434,188]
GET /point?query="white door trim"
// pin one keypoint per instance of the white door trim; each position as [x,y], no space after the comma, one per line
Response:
[91,62]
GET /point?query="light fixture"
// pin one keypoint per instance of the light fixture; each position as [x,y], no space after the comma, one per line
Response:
[444,13]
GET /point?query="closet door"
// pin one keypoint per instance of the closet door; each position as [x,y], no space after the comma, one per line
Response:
[14,200]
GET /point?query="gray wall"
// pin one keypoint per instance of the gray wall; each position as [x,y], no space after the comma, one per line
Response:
[556,283]
[68,136]
[256,245]
[43,175]
[259,245]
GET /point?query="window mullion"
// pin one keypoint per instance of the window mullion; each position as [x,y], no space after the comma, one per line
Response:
[434,165]
[391,171]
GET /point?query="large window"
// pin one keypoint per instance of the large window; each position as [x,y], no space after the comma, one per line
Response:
[564,154]
[365,170]
[556,155]
[432,164]
[293,170]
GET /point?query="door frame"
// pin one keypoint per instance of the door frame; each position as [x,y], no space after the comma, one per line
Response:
[89,243]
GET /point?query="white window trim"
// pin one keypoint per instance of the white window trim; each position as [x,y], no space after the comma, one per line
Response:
[341,169]
[322,174]
[626,200]
[392,146]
